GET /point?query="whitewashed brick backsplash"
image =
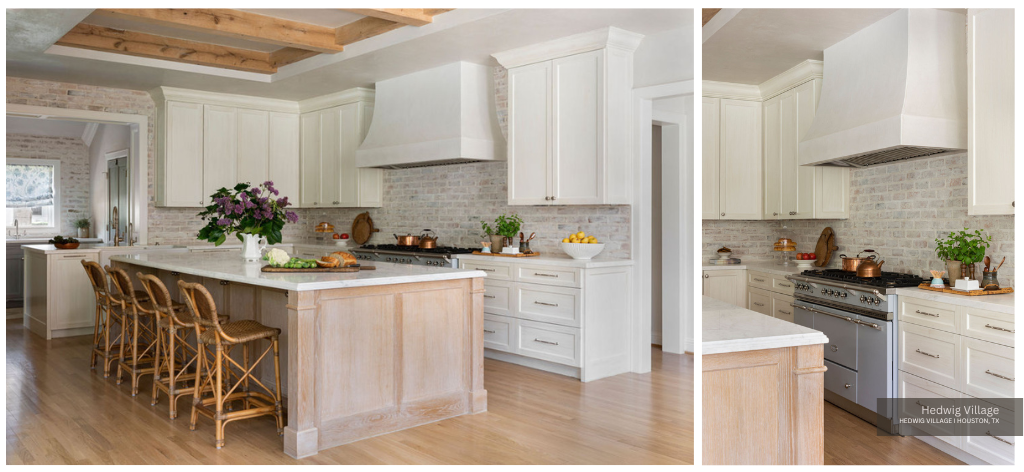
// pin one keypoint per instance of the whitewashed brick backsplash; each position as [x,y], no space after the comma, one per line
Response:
[74,173]
[897,209]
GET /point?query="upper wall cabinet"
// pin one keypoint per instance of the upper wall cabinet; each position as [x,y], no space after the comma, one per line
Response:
[733,159]
[329,139]
[990,131]
[206,141]
[568,119]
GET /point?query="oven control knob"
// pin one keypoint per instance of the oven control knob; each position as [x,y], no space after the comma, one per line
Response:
[877,301]
[843,295]
[823,291]
[863,299]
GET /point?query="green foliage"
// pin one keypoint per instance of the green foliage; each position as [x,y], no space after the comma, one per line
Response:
[246,210]
[62,240]
[508,226]
[82,223]
[486,228]
[963,246]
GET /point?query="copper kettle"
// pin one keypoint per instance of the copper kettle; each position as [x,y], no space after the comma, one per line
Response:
[869,268]
[428,240]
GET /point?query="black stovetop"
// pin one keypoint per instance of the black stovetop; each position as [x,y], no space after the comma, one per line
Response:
[414,249]
[886,280]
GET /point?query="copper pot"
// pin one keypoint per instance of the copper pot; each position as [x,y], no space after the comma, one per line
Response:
[870,269]
[850,264]
[428,240]
[407,240]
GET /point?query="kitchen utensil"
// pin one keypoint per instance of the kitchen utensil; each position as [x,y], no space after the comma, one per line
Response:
[825,247]
[869,268]
[988,262]
[850,264]
[532,235]
[407,240]
[582,251]
[1000,264]
[362,228]
[428,240]
[989,281]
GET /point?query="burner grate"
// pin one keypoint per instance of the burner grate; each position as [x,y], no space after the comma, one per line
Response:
[886,280]
[417,250]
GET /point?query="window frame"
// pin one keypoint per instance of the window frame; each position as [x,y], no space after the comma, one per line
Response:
[56,226]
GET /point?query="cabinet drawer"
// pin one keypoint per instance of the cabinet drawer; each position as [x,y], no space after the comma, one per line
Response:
[557,305]
[781,284]
[494,271]
[986,369]
[759,300]
[841,381]
[927,313]
[912,386]
[548,342]
[782,307]
[983,444]
[929,353]
[499,332]
[497,297]
[987,325]
[548,275]
[759,280]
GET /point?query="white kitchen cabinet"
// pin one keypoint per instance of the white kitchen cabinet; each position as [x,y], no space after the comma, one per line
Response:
[220,149]
[283,154]
[990,112]
[309,162]
[729,286]
[180,155]
[738,162]
[253,148]
[59,300]
[569,132]
[15,274]
[329,176]
[769,294]
[711,112]
[759,300]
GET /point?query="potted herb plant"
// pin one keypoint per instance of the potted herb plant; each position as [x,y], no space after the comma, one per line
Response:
[508,227]
[961,250]
[496,239]
[251,213]
[83,227]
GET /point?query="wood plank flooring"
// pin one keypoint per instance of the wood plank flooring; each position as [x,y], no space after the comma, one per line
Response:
[60,412]
[850,440]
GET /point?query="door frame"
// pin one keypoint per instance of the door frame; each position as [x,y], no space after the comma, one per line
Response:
[644,117]
[137,156]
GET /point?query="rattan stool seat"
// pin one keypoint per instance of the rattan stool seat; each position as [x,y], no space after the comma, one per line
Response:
[242,331]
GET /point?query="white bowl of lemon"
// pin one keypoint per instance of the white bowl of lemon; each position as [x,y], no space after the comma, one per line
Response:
[580,246]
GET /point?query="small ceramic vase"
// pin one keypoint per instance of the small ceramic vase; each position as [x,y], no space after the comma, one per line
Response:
[486,247]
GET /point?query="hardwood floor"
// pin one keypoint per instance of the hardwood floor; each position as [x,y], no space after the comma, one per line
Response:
[850,440]
[60,412]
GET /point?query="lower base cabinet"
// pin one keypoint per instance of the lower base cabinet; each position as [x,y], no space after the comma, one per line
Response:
[770,294]
[728,285]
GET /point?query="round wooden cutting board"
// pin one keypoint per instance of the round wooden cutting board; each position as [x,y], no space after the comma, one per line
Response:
[362,228]
[825,247]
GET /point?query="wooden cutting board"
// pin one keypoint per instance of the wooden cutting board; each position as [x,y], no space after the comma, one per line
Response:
[362,228]
[356,268]
[825,247]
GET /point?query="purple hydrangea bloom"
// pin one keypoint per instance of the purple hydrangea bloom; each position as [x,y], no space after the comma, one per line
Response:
[291,216]
[224,222]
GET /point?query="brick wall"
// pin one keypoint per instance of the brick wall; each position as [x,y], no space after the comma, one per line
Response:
[897,209]
[74,173]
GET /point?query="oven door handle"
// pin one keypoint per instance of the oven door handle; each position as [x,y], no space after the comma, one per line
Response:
[846,318]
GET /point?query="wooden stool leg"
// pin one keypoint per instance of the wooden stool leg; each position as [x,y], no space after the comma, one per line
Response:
[245,380]
[197,392]
[172,375]
[218,420]
[106,343]
[156,361]
[95,337]
[120,347]
[135,352]
[277,390]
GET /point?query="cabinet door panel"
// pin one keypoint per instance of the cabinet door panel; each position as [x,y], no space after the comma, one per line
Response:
[740,160]
[371,181]
[832,192]
[253,146]
[759,300]
[183,155]
[578,161]
[350,133]
[729,286]
[309,190]
[220,149]
[330,157]
[710,110]
[70,286]
[283,155]
[772,165]
[806,105]
[529,122]
[789,175]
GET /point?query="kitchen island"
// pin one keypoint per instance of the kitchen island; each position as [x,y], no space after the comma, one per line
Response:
[363,354]
[763,388]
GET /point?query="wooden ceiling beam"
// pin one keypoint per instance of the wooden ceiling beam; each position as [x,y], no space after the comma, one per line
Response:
[361,29]
[707,14]
[100,38]
[236,24]
[405,16]
[285,56]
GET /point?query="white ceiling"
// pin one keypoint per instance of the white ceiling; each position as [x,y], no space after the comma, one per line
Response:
[37,127]
[461,35]
[758,44]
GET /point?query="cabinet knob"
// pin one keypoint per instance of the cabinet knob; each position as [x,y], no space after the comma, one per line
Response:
[775,214]
[706,276]
[723,213]
[792,213]
[547,198]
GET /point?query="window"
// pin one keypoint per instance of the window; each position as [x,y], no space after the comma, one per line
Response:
[33,193]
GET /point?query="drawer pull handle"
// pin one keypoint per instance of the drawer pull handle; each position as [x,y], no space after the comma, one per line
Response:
[833,348]
[925,353]
[758,304]
[175,274]
[544,275]
[997,375]
[925,313]
[488,270]
[758,280]
[921,404]
[74,256]
[784,312]
[847,385]
[784,285]
[998,328]
[489,331]
[989,433]
[553,343]
[545,303]
[488,296]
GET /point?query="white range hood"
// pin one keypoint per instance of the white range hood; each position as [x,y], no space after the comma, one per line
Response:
[893,91]
[444,115]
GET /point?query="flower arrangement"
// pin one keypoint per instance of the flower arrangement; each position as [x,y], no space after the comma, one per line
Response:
[246,210]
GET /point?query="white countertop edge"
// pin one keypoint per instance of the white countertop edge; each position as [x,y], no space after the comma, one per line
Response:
[550,260]
[770,267]
[756,344]
[998,303]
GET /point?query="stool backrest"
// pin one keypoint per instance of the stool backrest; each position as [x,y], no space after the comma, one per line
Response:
[121,288]
[157,291]
[200,303]
[98,279]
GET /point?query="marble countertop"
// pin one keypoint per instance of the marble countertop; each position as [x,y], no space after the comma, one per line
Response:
[770,267]
[231,267]
[729,328]
[552,259]
[997,303]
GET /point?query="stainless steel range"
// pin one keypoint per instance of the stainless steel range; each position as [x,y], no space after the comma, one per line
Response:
[437,257]
[858,316]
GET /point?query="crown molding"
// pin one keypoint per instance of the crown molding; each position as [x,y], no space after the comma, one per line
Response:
[161,94]
[712,89]
[610,37]
[796,75]
[358,94]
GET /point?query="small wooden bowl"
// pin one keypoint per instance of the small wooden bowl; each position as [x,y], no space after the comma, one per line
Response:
[67,245]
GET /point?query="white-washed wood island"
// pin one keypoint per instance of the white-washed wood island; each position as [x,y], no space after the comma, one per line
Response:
[363,354]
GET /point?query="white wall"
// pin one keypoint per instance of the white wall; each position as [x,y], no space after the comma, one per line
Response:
[108,138]
[664,57]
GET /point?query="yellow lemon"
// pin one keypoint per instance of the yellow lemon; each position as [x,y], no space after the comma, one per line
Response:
[581,235]
[565,240]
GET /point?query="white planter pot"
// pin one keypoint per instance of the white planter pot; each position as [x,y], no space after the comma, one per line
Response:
[252,246]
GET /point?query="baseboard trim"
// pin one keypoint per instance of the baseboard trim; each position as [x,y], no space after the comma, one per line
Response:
[532,363]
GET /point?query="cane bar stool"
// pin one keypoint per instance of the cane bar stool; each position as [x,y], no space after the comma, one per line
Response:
[220,374]
[107,322]
[174,357]
[138,351]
